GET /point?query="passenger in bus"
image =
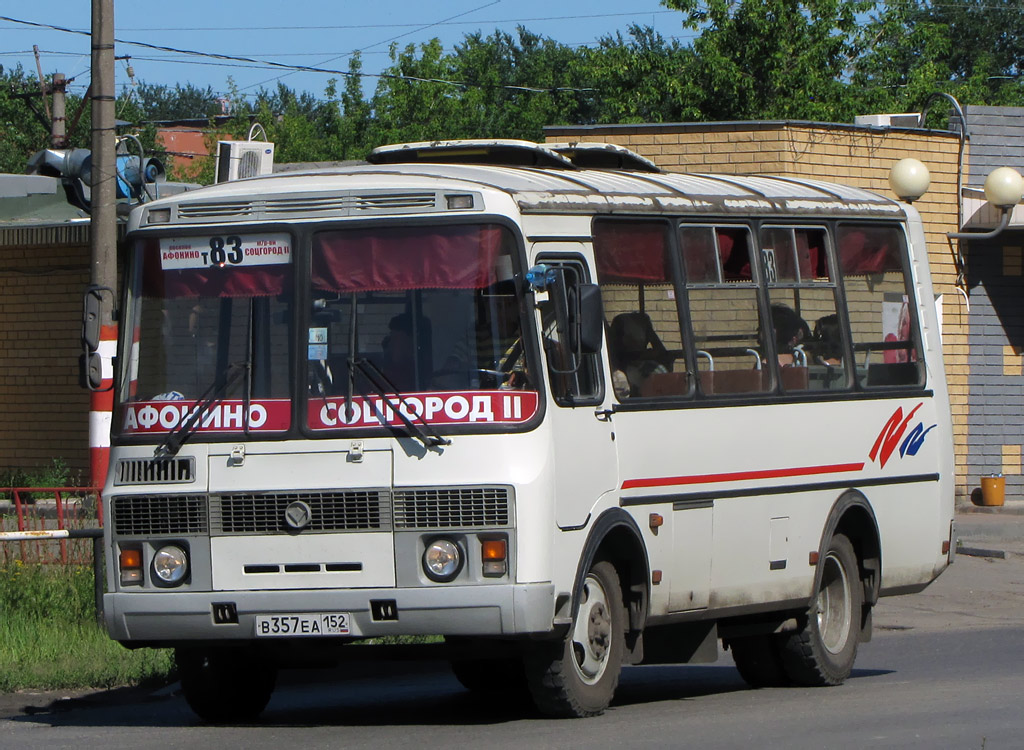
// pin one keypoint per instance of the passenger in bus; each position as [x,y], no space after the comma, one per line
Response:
[827,341]
[791,333]
[493,351]
[635,352]
[400,352]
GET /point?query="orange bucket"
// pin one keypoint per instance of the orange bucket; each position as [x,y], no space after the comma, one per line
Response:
[993,490]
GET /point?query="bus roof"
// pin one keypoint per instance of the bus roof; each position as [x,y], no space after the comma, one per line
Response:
[414,178]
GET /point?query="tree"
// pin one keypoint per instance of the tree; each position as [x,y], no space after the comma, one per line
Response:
[356,114]
[23,134]
[638,79]
[187,102]
[772,59]
[969,48]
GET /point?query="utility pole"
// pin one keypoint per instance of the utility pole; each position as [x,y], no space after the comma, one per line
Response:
[58,124]
[103,234]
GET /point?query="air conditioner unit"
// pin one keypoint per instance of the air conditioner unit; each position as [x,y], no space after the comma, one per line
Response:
[903,120]
[237,160]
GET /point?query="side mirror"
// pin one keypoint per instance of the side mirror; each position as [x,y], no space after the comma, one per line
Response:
[90,371]
[91,318]
[591,318]
[90,363]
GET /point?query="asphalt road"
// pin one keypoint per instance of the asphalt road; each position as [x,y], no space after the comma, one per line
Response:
[945,670]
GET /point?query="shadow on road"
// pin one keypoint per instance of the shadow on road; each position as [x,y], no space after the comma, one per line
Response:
[427,695]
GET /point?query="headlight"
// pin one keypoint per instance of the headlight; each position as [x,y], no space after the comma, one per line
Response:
[170,564]
[442,560]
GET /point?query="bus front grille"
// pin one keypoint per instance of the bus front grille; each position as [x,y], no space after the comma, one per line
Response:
[155,471]
[155,515]
[452,507]
[328,511]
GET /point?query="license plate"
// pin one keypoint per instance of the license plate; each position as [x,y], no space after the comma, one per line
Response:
[308,624]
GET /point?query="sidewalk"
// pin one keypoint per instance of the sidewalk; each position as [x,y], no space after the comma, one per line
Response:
[995,530]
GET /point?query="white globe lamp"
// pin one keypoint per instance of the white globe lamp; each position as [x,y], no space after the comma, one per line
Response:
[909,179]
[1004,187]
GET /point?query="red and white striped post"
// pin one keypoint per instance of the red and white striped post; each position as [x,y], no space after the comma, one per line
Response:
[101,407]
[103,227]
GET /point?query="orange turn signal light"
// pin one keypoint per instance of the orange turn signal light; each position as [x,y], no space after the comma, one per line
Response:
[131,558]
[494,549]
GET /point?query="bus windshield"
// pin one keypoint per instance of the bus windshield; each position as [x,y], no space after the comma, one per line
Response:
[428,315]
[201,308]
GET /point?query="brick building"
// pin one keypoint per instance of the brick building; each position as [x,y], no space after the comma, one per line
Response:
[995,284]
[44,267]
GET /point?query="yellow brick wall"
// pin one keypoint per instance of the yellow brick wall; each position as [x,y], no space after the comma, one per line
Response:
[844,154]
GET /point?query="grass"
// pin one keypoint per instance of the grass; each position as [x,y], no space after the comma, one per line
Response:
[49,638]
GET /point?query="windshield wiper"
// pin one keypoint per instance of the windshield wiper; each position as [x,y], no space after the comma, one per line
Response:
[386,390]
[212,396]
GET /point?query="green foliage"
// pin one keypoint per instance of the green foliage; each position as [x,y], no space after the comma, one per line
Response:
[57,473]
[971,49]
[641,78]
[772,59]
[50,638]
[187,102]
[824,60]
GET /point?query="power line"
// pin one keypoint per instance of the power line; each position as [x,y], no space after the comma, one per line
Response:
[414,26]
[377,44]
[303,68]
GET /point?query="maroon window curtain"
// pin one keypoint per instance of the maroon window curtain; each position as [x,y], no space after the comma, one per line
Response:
[377,259]
[631,253]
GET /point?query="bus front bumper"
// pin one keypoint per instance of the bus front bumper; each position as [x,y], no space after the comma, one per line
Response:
[168,617]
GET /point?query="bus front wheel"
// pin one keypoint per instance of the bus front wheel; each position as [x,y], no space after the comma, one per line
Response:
[823,650]
[577,676]
[225,684]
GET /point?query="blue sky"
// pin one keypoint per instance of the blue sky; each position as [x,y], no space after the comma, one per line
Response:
[317,33]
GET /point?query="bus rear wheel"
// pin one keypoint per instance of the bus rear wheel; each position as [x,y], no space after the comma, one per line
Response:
[577,676]
[822,652]
[225,684]
[490,676]
[759,661]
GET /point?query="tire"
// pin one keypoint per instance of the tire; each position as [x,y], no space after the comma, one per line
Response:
[822,652]
[225,685]
[490,676]
[759,661]
[577,676]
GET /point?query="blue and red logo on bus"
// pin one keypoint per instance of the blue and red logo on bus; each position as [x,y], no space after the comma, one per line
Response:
[892,433]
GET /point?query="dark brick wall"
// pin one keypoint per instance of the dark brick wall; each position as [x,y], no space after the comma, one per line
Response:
[996,355]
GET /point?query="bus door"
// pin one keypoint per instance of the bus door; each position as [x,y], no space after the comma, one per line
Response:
[651,376]
[581,429]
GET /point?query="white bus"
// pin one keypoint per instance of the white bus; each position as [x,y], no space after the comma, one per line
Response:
[554,407]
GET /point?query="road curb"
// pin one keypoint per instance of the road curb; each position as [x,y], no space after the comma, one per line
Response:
[981,552]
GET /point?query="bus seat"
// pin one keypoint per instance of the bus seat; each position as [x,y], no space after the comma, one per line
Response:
[666,384]
[739,381]
[794,378]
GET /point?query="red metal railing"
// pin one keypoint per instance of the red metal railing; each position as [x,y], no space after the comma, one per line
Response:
[48,508]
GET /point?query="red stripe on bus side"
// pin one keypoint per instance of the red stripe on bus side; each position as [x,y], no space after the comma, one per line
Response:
[739,476]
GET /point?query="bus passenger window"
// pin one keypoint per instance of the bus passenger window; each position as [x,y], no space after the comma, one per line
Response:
[801,290]
[645,341]
[882,313]
[723,297]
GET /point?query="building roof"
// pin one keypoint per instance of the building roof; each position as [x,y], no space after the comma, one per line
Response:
[34,199]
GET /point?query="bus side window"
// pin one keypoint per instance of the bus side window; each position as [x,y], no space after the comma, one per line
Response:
[645,342]
[723,298]
[575,379]
[880,305]
[802,292]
